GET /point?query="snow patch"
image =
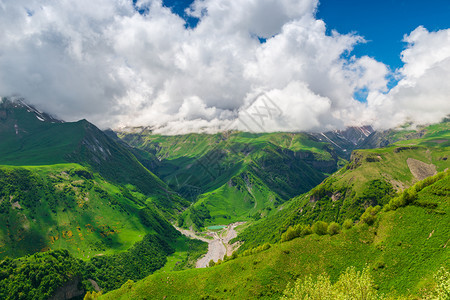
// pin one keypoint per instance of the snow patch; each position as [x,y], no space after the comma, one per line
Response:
[331,140]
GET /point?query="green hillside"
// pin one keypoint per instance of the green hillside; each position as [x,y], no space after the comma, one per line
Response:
[404,249]
[117,232]
[68,207]
[369,179]
[234,176]
[31,138]
[68,186]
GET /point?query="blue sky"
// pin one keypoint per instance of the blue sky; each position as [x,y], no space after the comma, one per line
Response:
[383,23]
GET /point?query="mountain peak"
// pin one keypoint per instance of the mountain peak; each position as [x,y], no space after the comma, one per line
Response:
[8,105]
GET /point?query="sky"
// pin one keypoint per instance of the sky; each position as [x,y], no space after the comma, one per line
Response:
[211,65]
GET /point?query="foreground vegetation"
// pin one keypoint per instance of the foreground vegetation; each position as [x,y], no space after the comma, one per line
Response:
[354,284]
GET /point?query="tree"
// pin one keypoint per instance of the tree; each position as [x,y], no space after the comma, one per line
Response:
[320,228]
[370,215]
[348,223]
[334,228]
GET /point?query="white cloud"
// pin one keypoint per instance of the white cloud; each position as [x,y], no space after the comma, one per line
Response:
[102,60]
[423,94]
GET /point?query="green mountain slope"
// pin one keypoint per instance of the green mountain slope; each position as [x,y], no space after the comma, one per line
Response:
[234,176]
[370,179]
[384,138]
[33,138]
[68,207]
[70,186]
[404,248]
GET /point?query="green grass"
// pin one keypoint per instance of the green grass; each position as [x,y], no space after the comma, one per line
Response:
[371,177]
[404,249]
[27,141]
[234,176]
[77,210]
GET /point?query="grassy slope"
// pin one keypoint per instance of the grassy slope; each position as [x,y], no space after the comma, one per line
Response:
[70,186]
[404,249]
[236,176]
[28,141]
[366,180]
[405,134]
[77,210]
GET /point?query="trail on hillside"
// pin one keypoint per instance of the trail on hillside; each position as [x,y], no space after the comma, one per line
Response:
[218,246]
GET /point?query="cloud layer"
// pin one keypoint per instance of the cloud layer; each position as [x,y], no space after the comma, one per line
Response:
[102,60]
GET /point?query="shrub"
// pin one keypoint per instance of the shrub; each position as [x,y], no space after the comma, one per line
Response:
[293,232]
[442,290]
[306,230]
[289,235]
[334,228]
[370,215]
[351,284]
[264,247]
[320,228]
[348,223]
[92,295]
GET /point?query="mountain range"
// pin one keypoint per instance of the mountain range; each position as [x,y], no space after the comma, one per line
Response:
[103,205]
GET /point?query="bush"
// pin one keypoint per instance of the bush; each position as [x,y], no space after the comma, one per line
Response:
[334,228]
[410,195]
[293,232]
[92,295]
[289,235]
[348,223]
[306,230]
[351,284]
[320,228]
[442,290]
[370,215]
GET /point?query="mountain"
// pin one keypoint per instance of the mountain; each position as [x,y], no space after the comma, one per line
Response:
[93,203]
[384,138]
[234,176]
[345,141]
[30,137]
[371,178]
[67,185]
[403,251]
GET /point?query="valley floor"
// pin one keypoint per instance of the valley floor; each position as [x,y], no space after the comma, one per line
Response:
[218,243]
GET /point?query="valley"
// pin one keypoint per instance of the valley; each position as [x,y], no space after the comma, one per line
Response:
[223,149]
[129,214]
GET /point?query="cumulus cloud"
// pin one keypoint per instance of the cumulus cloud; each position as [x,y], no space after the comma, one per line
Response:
[423,94]
[104,61]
